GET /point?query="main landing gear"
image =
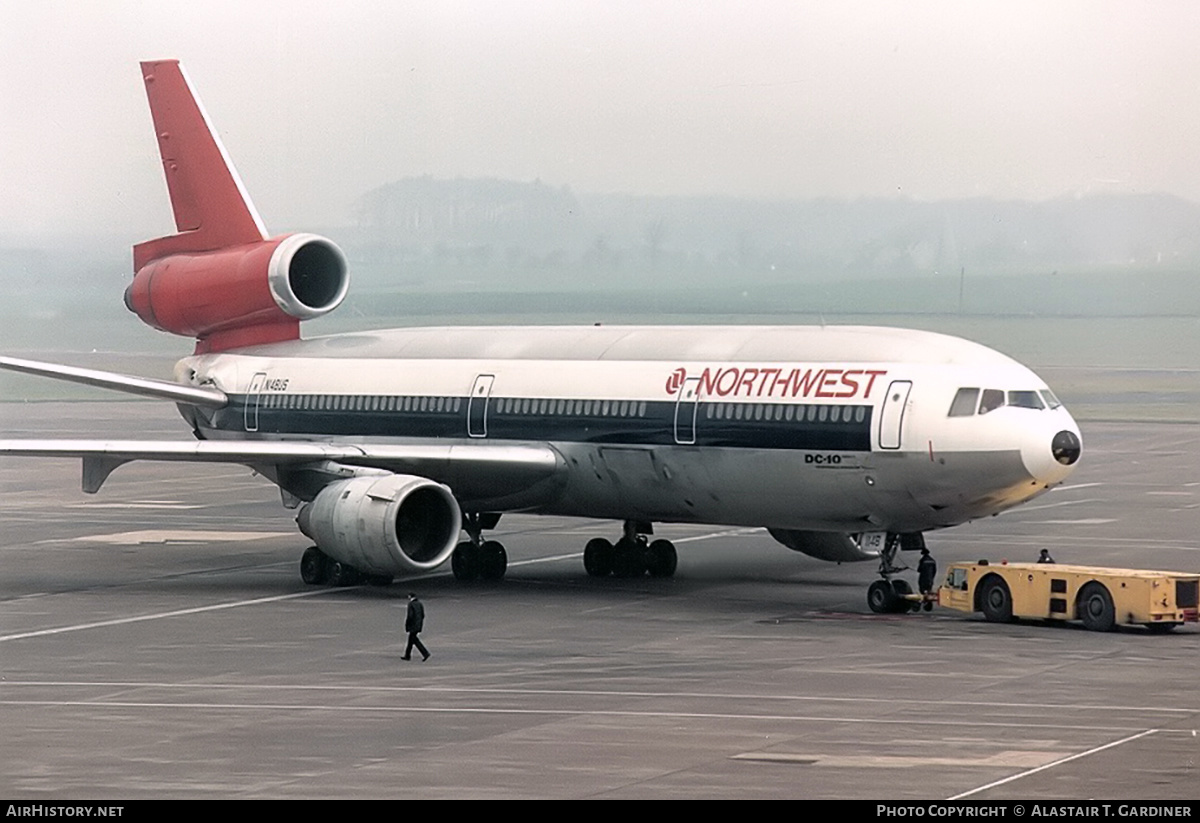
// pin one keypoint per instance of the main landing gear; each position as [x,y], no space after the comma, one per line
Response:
[476,557]
[632,556]
[894,596]
[317,568]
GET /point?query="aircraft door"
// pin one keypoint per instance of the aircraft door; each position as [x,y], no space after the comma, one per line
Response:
[477,405]
[685,411]
[891,416]
[253,397]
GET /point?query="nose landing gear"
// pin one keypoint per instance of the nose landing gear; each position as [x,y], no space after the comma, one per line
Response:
[895,596]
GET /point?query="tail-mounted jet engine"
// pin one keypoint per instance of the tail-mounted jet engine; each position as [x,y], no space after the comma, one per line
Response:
[831,546]
[243,295]
[384,524]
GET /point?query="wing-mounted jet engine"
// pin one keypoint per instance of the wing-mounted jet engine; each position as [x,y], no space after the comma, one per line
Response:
[380,524]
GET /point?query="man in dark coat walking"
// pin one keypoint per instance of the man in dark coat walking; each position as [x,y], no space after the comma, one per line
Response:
[414,622]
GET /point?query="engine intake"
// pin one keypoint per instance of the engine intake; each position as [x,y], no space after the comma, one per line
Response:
[244,295]
[384,524]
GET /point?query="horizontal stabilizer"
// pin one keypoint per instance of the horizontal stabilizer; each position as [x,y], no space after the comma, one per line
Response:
[159,389]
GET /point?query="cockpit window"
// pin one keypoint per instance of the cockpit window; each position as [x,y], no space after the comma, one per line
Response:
[1025,400]
[992,400]
[963,404]
[1051,400]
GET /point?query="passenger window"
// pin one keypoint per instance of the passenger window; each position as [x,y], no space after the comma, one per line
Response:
[992,400]
[1025,400]
[963,404]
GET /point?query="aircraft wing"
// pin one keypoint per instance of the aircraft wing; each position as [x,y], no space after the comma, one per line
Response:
[506,476]
[473,471]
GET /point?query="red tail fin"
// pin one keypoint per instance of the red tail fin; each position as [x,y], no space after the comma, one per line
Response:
[212,209]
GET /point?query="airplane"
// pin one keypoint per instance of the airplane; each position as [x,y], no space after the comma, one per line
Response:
[845,443]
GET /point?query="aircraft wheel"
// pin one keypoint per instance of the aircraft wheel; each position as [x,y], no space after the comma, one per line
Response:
[661,558]
[995,601]
[493,560]
[465,561]
[343,574]
[881,597]
[629,558]
[314,566]
[1096,608]
[598,557]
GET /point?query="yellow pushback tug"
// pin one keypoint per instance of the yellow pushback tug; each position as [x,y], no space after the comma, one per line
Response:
[1101,598]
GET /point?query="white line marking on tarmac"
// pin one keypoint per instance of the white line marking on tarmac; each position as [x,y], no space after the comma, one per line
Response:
[1060,503]
[156,536]
[552,559]
[723,533]
[1019,775]
[496,710]
[1086,521]
[135,506]
[623,694]
[118,621]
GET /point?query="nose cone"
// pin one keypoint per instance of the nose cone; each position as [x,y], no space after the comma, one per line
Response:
[1052,451]
[1066,447]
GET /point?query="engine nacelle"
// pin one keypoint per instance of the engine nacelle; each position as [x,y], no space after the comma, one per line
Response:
[832,546]
[244,295]
[384,524]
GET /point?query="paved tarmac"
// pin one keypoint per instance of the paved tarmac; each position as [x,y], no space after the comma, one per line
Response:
[156,641]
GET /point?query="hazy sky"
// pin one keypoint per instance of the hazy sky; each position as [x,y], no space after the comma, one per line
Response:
[318,101]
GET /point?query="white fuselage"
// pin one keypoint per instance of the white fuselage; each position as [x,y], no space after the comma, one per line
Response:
[843,429]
